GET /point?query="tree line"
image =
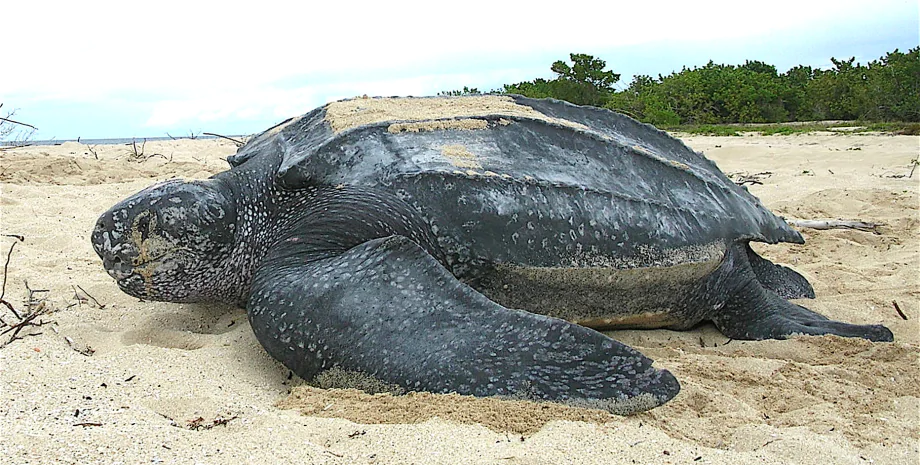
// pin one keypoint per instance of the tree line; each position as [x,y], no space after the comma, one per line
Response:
[886,89]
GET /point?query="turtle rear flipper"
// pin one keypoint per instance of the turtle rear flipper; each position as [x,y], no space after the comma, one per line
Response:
[388,309]
[785,282]
[753,312]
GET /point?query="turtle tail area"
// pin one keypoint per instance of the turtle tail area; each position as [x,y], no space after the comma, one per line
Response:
[784,282]
[753,312]
[389,310]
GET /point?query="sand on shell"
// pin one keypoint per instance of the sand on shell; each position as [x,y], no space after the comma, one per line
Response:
[171,383]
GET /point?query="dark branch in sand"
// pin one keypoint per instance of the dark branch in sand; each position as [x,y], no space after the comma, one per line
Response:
[5,267]
[199,423]
[238,143]
[898,309]
[29,320]
[837,224]
[87,294]
[86,350]
[134,145]
[743,178]
[138,155]
[35,307]
[18,122]
[8,130]
[768,443]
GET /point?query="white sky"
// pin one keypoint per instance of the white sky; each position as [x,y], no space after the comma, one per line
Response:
[164,65]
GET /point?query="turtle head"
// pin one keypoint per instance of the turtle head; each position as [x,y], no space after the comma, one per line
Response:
[169,242]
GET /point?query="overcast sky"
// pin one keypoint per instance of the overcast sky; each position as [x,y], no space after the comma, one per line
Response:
[134,69]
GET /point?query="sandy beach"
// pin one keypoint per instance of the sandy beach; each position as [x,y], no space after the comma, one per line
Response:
[112,379]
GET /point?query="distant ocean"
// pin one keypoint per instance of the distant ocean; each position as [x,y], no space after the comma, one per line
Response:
[126,140]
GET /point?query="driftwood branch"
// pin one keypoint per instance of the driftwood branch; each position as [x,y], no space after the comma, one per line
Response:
[134,147]
[836,224]
[31,317]
[85,297]
[36,307]
[7,130]
[238,142]
[18,122]
[11,147]
[897,308]
[742,178]
[138,154]
[5,266]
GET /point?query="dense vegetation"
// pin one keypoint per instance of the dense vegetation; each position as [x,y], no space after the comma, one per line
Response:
[887,89]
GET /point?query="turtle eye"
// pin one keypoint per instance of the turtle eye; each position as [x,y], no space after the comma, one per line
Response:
[213,212]
[142,226]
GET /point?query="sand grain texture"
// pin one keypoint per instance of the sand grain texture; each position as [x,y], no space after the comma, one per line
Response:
[172,383]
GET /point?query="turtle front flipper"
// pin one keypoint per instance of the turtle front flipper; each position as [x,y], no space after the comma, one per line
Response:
[753,312]
[388,309]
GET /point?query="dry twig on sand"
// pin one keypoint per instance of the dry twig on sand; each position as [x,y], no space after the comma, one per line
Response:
[8,120]
[36,307]
[836,224]
[8,129]
[138,154]
[81,349]
[85,297]
[199,423]
[913,166]
[17,122]
[238,142]
[743,178]
[88,423]
[897,308]
[5,266]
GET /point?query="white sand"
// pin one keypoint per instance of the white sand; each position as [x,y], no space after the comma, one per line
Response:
[158,368]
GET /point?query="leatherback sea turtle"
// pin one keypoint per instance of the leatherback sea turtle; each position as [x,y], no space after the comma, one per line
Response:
[395,237]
